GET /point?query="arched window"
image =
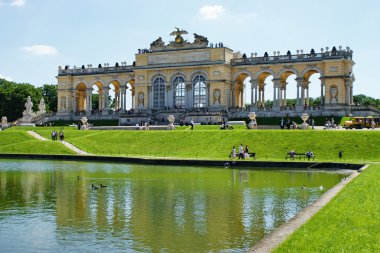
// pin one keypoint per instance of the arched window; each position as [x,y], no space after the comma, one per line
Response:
[199,91]
[159,93]
[179,91]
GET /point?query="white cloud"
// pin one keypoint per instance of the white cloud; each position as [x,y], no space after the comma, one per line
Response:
[5,77]
[40,50]
[17,3]
[211,11]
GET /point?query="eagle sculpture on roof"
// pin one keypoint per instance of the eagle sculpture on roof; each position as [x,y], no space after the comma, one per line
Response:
[177,34]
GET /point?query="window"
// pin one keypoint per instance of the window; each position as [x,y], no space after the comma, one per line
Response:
[159,93]
[199,91]
[179,88]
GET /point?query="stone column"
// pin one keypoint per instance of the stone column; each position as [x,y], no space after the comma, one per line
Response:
[88,100]
[133,106]
[263,97]
[252,84]
[322,87]
[233,93]
[351,94]
[74,100]
[284,102]
[299,86]
[276,84]
[123,97]
[347,92]
[100,98]
[105,100]
[256,87]
[302,95]
[307,93]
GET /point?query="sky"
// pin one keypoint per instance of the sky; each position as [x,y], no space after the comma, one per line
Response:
[37,36]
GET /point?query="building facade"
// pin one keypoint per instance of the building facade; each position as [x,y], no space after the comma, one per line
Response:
[200,76]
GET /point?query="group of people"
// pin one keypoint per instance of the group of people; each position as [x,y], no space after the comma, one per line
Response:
[54,136]
[330,124]
[309,154]
[287,124]
[242,153]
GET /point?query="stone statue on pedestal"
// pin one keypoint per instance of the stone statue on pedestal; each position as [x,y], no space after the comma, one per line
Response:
[41,107]
[28,114]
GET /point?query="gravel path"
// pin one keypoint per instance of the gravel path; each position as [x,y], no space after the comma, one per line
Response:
[279,235]
[68,145]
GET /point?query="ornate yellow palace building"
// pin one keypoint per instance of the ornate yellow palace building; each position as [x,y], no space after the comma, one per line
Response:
[198,78]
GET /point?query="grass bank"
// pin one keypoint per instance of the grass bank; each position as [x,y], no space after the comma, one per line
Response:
[20,142]
[349,223]
[357,146]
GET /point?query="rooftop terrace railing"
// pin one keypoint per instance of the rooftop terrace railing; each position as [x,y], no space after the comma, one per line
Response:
[288,58]
[90,71]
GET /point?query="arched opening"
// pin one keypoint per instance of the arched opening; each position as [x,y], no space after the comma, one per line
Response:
[96,96]
[287,94]
[114,96]
[313,92]
[199,91]
[265,79]
[81,94]
[242,90]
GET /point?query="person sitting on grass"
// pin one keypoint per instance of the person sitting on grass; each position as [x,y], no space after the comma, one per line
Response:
[309,154]
[292,154]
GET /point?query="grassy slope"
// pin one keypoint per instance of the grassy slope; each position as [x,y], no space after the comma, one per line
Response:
[357,146]
[349,223]
[21,142]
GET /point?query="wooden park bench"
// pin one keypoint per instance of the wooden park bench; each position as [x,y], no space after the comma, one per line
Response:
[299,155]
[251,155]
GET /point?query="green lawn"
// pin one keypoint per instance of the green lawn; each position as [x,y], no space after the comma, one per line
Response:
[20,142]
[349,223]
[357,146]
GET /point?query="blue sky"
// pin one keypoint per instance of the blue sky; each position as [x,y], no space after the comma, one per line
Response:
[39,35]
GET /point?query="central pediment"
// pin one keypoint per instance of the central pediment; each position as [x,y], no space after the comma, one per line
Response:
[179,42]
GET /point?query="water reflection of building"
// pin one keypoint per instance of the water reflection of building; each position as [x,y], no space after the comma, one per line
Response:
[170,211]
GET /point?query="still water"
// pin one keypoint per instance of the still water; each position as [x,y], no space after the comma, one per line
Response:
[45,207]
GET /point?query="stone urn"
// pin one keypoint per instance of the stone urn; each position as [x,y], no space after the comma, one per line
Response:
[304,117]
[4,122]
[84,123]
[171,119]
[253,123]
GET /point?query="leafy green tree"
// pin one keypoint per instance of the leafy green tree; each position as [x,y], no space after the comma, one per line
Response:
[365,100]
[49,93]
[13,98]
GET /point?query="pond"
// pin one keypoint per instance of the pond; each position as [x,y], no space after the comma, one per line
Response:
[50,206]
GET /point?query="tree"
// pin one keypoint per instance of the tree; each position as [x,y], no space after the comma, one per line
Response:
[49,93]
[13,97]
[366,101]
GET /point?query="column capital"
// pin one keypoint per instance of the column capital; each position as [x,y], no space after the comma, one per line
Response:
[254,81]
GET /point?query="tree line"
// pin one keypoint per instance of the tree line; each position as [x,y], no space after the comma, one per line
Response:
[13,98]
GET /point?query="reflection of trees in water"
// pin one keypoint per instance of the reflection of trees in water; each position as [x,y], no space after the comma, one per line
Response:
[156,208]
